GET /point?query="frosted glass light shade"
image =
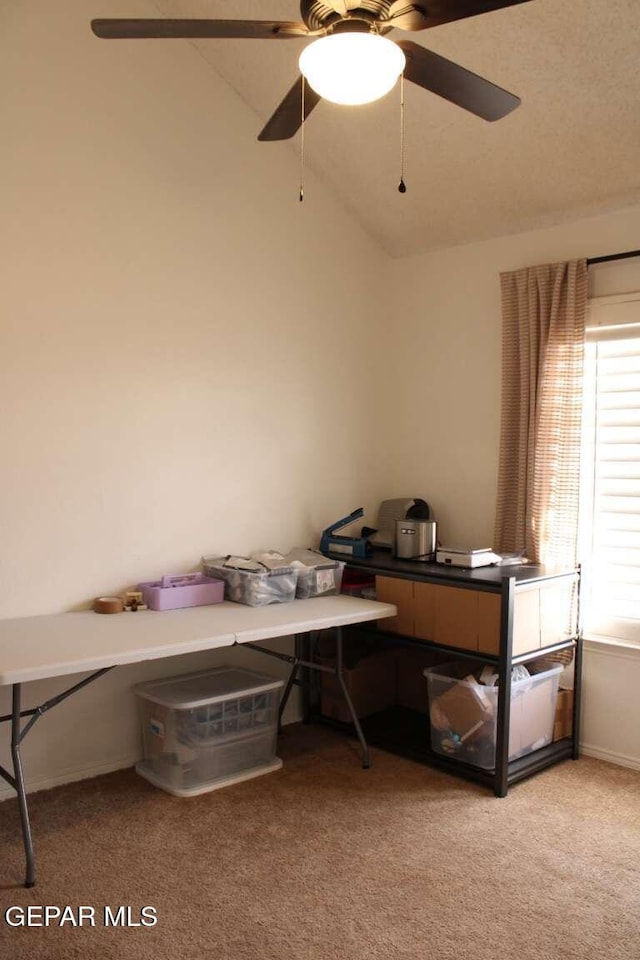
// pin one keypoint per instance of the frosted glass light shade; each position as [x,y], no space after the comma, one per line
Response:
[352,68]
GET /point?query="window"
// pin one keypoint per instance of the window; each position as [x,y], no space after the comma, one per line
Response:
[610,484]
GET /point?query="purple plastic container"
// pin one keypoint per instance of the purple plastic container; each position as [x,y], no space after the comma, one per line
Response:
[187,590]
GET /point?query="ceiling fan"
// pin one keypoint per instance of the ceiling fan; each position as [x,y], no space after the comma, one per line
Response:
[350,60]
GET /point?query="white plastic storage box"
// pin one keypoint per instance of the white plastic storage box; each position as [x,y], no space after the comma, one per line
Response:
[257,586]
[205,730]
[318,576]
[464,713]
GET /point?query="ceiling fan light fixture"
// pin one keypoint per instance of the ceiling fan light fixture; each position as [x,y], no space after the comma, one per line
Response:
[352,68]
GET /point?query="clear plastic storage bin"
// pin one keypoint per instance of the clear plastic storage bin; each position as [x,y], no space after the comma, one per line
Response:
[256,588]
[205,730]
[464,714]
[318,576]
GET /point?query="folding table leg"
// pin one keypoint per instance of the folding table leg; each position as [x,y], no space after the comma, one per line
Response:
[366,762]
[27,839]
[297,662]
[287,690]
[16,780]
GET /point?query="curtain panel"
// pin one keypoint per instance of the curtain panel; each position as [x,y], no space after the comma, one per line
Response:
[543,310]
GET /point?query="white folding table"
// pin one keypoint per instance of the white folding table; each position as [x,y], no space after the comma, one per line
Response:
[43,647]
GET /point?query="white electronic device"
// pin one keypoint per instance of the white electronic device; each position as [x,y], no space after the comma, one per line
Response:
[467,556]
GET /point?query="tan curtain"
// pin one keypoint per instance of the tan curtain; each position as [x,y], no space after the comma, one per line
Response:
[543,310]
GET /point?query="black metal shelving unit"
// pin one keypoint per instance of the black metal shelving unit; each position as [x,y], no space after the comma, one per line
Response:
[407,732]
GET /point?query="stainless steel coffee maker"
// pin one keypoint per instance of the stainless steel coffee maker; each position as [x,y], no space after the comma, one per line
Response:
[415,540]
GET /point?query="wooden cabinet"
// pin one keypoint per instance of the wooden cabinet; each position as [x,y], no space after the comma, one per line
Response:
[451,616]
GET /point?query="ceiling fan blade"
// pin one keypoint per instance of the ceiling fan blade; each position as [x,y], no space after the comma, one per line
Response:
[198,29]
[452,82]
[431,13]
[287,118]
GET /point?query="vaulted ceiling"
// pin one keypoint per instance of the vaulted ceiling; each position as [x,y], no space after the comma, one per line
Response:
[571,149]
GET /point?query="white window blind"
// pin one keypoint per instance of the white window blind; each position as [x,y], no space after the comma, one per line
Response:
[610,507]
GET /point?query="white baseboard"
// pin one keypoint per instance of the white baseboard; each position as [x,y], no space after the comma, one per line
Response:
[620,759]
[70,776]
[109,766]
[85,773]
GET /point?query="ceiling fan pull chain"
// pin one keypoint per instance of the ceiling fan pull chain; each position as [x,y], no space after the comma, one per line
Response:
[301,195]
[402,187]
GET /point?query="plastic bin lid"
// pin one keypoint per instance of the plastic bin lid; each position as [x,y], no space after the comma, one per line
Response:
[209,686]
[244,567]
[311,559]
[457,670]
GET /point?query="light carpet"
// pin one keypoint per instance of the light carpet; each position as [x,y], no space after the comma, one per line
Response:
[326,861]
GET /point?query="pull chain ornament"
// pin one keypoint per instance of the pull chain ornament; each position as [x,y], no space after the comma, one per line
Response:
[301,194]
[402,187]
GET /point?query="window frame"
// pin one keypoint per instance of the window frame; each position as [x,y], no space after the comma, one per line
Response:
[614,317]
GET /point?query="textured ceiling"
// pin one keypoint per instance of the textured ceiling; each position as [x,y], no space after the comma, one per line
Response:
[571,149]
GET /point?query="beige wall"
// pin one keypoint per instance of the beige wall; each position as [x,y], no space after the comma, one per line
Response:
[172,320]
[440,409]
[184,346]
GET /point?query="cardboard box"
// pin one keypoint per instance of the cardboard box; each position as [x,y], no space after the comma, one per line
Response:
[371,684]
[563,718]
